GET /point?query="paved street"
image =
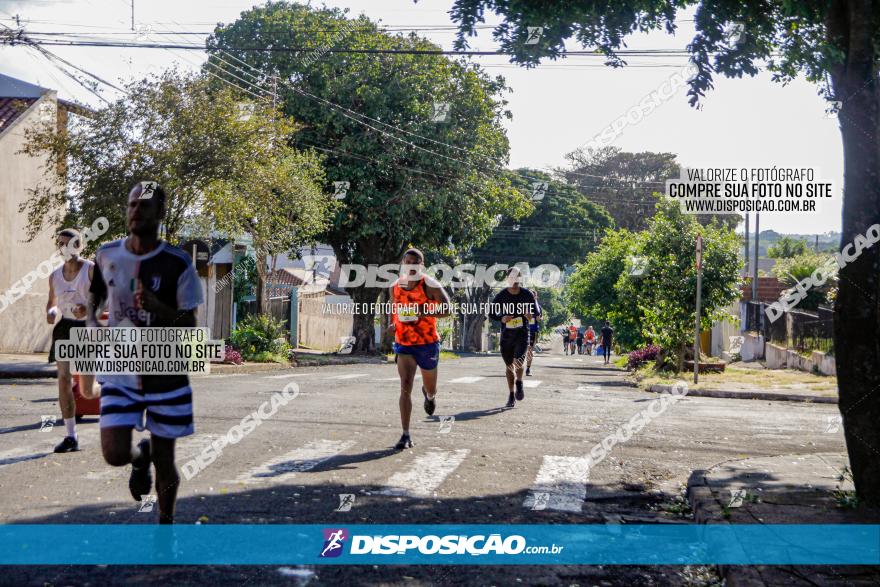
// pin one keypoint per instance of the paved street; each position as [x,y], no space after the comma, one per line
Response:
[488,465]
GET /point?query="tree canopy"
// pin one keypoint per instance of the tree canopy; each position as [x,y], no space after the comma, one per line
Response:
[416,138]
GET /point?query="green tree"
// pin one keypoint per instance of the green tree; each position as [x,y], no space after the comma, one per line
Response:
[560,228]
[786,247]
[418,137]
[593,289]
[832,43]
[626,184]
[791,270]
[554,309]
[175,129]
[665,290]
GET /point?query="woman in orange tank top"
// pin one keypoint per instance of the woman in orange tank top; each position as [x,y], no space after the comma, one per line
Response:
[417,302]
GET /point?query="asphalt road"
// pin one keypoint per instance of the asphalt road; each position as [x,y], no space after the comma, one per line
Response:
[488,465]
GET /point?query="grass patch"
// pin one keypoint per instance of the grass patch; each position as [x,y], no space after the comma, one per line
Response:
[739,376]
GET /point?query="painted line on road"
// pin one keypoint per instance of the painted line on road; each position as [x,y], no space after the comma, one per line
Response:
[348,376]
[299,460]
[425,474]
[467,379]
[531,383]
[561,485]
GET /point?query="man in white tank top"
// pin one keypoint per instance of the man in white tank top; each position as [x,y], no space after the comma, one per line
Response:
[68,296]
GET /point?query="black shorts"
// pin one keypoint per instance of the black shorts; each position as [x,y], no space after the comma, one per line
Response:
[62,332]
[514,348]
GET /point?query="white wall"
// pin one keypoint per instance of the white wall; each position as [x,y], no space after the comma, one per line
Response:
[23,326]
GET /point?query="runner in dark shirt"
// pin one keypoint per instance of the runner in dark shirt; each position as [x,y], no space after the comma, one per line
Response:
[514,306]
[607,334]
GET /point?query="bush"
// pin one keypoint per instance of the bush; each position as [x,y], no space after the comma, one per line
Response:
[639,357]
[232,356]
[260,338]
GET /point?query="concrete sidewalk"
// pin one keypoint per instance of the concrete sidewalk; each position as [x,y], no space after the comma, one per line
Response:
[26,366]
[784,489]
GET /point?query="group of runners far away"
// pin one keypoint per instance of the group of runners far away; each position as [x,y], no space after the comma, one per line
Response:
[581,342]
[143,281]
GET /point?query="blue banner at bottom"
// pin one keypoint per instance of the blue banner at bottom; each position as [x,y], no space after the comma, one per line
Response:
[674,544]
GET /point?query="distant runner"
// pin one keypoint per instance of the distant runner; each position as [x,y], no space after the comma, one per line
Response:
[514,306]
[589,339]
[418,300]
[580,342]
[572,338]
[146,282]
[607,334]
[68,297]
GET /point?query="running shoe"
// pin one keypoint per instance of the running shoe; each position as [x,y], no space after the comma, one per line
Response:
[520,394]
[404,442]
[529,371]
[430,404]
[69,444]
[141,480]
[510,400]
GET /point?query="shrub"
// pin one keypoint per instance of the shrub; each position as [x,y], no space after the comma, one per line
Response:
[639,357]
[259,337]
[232,356]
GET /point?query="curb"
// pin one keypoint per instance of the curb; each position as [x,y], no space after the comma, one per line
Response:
[747,394]
[48,373]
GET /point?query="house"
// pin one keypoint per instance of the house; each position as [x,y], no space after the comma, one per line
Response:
[23,106]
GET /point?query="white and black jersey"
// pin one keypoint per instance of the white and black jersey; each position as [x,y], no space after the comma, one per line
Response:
[119,278]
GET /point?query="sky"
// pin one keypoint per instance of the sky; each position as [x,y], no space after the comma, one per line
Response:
[557,107]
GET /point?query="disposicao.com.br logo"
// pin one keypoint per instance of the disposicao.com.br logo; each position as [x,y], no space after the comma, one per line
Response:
[431,544]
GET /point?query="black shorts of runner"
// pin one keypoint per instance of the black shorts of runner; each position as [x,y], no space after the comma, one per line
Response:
[62,332]
[514,349]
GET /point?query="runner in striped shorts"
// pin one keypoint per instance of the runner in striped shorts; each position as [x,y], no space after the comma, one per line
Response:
[145,282]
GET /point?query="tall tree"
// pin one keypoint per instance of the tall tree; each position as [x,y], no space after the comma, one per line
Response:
[786,247]
[417,137]
[626,183]
[834,43]
[559,227]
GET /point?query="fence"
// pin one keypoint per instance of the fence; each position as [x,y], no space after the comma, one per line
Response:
[796,329]
[277,307]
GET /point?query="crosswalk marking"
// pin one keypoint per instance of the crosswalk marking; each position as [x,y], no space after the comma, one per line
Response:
[43,446]
[425,474]
[467,379]
[531,383]
[347,376]
[298,460]
[561,484]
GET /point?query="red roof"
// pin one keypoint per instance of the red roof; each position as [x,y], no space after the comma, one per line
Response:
[12,108]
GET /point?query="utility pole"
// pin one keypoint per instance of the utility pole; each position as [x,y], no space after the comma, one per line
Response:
[747,245]
[757,247]
[699,249]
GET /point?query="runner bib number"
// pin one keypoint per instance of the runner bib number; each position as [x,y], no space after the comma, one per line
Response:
[407,315]
[515,322]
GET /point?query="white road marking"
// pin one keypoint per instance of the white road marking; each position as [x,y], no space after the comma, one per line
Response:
[426,474]
[304,458]
[418,376]
[348,376]
[531,383]
[467,379]
[561,484]
[285,376]
[42,447]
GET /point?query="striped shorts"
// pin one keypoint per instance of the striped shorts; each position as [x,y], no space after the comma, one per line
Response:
[168,414]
